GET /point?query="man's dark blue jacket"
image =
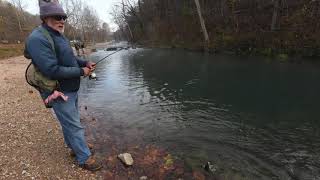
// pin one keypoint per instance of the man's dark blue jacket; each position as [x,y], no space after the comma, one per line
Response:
[63,66]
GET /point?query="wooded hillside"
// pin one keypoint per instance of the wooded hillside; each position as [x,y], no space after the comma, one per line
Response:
[15,23]
[83,22]
[246,26]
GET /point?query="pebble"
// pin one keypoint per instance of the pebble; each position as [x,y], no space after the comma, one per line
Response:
[126,158]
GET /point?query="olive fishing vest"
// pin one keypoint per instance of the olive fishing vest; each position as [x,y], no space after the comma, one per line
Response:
[33,75]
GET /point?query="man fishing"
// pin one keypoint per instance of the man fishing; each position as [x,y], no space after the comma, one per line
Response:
[54,58]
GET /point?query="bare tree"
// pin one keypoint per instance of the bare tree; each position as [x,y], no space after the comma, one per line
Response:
[74,9]
[124,14]
[90,23]
[275,18]
[2,27]
[18,12]
[119,20]
[83,22]
[203,25]
[105,31]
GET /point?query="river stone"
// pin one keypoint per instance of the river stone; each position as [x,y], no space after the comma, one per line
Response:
[143,178]
[126,158]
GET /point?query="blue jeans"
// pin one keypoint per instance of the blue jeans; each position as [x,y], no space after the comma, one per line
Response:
[68,115]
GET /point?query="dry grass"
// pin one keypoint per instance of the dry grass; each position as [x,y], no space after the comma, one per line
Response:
[11,50]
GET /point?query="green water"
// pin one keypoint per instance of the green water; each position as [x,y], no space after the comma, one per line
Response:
[253,118]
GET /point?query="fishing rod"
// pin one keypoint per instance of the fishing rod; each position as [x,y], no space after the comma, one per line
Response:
[108,55]
[93,75]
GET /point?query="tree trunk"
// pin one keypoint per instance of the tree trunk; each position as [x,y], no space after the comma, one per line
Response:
[18,10]
[203,25]
[19,24]
[222,4]
[275,19]
[125,18]
[130,32]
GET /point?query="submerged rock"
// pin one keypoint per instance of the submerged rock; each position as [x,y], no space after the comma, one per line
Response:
[210,167]
[156,92]
[126,158]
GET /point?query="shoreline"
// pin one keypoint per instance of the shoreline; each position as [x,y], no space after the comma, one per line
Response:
[33,148]
[31,141]
[279,55]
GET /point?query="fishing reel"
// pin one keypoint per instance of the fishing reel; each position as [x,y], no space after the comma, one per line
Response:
[93,76]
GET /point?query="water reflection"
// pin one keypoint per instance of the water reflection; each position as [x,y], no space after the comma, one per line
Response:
[253,119]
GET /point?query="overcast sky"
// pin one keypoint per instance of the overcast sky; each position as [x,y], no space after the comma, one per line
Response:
[103,8]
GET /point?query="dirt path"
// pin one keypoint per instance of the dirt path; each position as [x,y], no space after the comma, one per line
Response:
[31,142]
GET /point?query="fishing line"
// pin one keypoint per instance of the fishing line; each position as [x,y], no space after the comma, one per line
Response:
[93,75]
[108,56]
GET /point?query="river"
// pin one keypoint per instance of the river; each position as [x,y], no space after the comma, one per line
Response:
[251,117]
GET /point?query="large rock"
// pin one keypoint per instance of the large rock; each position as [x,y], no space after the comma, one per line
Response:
[126,158]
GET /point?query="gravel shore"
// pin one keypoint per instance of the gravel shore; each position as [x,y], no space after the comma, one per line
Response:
[31,142]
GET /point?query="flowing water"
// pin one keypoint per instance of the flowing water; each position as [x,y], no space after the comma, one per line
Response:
[250,117]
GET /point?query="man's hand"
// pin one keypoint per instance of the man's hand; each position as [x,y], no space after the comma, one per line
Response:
[86,71]
[91,65]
